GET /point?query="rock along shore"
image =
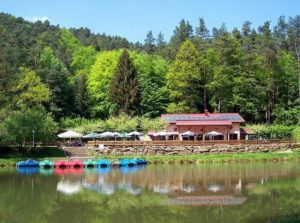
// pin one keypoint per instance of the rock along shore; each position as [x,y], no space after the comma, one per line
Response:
[202,149]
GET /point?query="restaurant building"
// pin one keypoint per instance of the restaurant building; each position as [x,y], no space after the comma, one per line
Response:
[206,126]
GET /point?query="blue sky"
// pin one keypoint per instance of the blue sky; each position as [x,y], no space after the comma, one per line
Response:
[133,18]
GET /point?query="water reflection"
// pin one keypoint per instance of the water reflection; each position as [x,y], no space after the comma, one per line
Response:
[167,179]
[68,187]
[174,192]
[28,170]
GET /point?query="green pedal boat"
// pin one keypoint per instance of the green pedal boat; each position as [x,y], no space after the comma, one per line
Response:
[46,164]
[90,163]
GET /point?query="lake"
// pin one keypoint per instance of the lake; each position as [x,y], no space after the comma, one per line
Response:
[237,192]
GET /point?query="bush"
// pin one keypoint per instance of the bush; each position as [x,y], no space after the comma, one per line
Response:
[273,131]
[20,127]
[121,123]
[296,134]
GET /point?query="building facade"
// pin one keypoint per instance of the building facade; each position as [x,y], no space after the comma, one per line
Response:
[228,125]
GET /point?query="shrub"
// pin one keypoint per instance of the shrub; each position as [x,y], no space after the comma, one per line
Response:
[20,127]
[296,134]
[273,131]
[121,123]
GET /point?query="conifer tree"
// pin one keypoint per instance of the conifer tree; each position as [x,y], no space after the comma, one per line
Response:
[202,31]
[150,43]
[81,95]
[125,87]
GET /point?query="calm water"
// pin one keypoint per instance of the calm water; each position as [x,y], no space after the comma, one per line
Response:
[251,192]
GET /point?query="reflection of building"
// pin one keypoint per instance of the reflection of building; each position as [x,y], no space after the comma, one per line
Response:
[68,187]
[228,124]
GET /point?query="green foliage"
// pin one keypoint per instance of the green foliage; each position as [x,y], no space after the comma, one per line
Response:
[151,74]
[184,80]
[55,75]
[18,127]
[98,82]
[82,60]
[81,95]
[67,44]
[286,117]
[253,71]
[182,32]
[152,77]
[296,134]
[29,91]
[120,123]
[125,91]
[273,131]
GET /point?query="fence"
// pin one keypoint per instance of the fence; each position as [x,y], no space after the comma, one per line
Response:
[187,143]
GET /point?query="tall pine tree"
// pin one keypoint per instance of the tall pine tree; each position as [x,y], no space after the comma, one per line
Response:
[124,87]
[149,43]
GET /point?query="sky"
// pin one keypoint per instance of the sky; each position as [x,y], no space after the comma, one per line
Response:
[134,18]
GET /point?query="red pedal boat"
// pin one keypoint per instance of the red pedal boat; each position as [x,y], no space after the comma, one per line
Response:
[61,164]
[76,164]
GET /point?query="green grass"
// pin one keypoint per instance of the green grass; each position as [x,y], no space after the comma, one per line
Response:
[11,158]
[215,158]
[55,153]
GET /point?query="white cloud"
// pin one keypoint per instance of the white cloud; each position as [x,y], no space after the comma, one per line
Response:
[37,18]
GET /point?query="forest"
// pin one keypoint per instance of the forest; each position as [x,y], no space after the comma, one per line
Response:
[51,76]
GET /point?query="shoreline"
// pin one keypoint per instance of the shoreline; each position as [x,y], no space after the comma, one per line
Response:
[184,159]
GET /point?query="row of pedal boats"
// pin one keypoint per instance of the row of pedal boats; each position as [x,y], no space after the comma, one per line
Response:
[88,163]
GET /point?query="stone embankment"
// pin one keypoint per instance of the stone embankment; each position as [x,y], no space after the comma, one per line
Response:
[205,149]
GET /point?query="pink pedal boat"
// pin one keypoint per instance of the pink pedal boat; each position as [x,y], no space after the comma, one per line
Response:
[76,164]
[61,164]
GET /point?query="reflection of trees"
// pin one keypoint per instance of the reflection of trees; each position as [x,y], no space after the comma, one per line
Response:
[26,198]
[35,199]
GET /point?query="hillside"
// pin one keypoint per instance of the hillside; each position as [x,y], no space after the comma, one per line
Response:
[69,72]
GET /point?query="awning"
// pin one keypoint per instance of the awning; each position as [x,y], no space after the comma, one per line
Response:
[204,123]
[247,131]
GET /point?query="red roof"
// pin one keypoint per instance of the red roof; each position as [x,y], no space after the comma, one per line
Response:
[206,123]
[232,117]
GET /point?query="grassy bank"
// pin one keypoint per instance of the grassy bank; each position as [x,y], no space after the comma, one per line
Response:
[12,156]
[217,158]
[183,159]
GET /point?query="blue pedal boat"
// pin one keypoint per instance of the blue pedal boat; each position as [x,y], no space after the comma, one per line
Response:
[140,161]
[127,162]
[103,163]
[28,163]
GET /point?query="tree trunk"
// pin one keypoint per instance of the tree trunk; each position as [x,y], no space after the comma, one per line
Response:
[219,106]
[204,98]
[298,59]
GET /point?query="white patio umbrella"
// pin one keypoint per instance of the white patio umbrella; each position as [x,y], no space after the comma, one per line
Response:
[91,136]
[162,133]
[214,133]
[107,135]
[116,135]
[69,135]
[188,133]
[135,133]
